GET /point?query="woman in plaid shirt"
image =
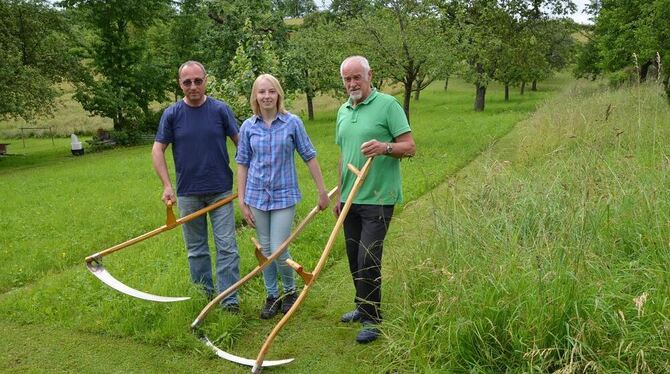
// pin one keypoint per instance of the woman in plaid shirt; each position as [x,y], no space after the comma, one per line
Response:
[267,182]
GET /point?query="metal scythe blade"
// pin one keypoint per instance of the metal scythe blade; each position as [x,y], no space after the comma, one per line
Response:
[241,360]
[94,261]
[97,269]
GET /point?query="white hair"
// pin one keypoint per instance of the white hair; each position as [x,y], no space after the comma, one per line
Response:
[360,60]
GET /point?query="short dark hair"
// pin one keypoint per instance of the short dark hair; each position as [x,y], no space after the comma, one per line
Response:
[189,63]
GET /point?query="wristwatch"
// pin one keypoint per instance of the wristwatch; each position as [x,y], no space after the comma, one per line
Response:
[389,148]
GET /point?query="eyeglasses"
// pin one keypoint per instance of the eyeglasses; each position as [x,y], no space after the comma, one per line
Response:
[196,81]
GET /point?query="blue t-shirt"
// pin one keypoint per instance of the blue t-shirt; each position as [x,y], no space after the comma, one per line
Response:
[198,138]
[272,182]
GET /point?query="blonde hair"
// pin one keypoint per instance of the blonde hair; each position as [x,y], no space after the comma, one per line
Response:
[276,85]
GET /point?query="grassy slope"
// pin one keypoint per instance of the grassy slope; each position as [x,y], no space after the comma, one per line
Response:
[68,118]
[75,219]
[549,252]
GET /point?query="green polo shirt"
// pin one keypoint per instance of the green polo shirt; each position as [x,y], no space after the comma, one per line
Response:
[379,117]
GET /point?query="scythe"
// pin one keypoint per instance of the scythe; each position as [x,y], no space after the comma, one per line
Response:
[310,278]
[94,261]
[263,262]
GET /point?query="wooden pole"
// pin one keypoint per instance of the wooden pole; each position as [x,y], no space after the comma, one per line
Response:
[170,224]
[319,266]
[262,264]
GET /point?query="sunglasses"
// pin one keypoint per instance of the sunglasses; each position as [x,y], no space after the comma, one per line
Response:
[196,81]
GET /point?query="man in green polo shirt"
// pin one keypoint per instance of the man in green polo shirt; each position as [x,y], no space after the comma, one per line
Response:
[369,124]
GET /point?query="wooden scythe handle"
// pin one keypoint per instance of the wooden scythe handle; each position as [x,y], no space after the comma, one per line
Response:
[166,227]
[319,266]
[261,265]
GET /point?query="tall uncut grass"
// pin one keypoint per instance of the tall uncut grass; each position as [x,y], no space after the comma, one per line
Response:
[550,253]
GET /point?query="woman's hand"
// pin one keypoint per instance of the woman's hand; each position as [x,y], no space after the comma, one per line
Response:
[324,201]
[248,216]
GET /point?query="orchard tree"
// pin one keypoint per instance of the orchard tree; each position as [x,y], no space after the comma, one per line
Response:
[294,8]
[254,56]
[228,20]
[551,36]
[123,75]
[312,62]
[35,51]
[403,40]
[482,44]
[636,26]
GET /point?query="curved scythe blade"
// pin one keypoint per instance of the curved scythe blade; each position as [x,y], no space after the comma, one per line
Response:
[241,360]
[101,273]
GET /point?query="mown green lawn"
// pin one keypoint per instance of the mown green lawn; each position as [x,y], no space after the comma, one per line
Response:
[63,208]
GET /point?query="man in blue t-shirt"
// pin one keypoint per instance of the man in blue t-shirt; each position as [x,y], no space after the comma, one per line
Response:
[197,128]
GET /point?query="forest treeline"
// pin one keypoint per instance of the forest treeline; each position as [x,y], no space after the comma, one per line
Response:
[121,56]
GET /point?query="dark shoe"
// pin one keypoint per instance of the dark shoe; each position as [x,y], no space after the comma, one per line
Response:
[288,301]
[271,308]
[353,316]
[368,333]
[231,308]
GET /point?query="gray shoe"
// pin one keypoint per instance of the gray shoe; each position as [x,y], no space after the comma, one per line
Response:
[231,308]
[288,301]
[353,316]
[271,307]
[369,333]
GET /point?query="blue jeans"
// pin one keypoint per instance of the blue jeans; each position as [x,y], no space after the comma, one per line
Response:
[272,228]
[196,240]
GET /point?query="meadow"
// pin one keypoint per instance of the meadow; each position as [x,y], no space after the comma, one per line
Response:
[519,251]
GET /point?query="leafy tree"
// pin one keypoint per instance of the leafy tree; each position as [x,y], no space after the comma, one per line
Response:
[479,23]
[254,56]
[312,62]
[226,30]
[36,54]
[123,75]
[587,63]
[403,41]
[347,9]
[180,38]
[640,27]
[294,8]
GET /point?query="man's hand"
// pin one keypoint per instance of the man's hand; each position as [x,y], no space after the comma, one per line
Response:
[336,208]
[169,197]
[373,148]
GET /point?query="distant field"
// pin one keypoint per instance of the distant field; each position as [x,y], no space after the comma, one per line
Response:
[68,118]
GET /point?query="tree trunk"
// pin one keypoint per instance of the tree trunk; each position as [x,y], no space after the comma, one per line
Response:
[406,98]
[480,98]
[446,83]
[118,121]
[310,106]
[417,91]
[534,86]
[506,92]
[523,88]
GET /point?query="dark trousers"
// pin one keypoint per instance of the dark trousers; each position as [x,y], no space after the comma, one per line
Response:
[365,228]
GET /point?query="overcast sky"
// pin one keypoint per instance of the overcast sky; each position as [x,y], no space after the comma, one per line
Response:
[579,16]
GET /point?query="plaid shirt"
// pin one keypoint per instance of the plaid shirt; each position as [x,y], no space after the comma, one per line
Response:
[272,182]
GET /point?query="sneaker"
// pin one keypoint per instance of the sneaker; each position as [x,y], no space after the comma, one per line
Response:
[368,333]
[288,301]
[231,308]
[353,316]
[271,307]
